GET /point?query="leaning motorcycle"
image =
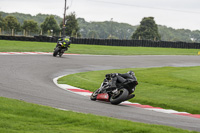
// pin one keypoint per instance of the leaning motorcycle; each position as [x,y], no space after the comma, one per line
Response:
[60,49]
[121,93]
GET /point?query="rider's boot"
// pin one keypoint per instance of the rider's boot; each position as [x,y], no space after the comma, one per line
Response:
[130,96]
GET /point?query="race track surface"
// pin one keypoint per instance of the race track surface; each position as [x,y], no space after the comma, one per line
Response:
[30,78]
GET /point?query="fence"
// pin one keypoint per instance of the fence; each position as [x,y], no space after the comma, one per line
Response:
[109,42]
[136,43]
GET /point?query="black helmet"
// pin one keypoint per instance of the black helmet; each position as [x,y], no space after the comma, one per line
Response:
[131,73]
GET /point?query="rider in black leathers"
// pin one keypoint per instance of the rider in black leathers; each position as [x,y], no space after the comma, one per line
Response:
[121,78]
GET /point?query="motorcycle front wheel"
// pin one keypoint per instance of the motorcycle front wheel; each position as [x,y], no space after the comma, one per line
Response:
[119,97]
[56,51]
[93,97]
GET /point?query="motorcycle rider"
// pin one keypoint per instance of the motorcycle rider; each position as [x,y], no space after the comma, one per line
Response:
[122,78]
[65,41]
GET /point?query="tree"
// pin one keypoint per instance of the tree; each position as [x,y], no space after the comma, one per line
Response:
[112,37]
[195,36]
[92,34]
[148,29]
[11,22]
[1,21]
[50,24]
[30,26]
[72,27]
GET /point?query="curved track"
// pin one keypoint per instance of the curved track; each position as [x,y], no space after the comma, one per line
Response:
[29,78]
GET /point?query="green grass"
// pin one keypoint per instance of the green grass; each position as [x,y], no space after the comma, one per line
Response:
[18,116]
[25,46]
[175,88]
[21,117]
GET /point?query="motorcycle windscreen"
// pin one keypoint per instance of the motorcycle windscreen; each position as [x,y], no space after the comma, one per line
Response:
[103,97]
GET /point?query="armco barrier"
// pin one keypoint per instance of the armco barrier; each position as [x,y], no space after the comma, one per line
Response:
[108,42]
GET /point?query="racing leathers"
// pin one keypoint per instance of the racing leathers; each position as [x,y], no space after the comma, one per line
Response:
[121,78]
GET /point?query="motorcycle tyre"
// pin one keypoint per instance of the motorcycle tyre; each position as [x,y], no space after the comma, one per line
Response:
[56,51]
[93,98]
[60,54]
[122,97]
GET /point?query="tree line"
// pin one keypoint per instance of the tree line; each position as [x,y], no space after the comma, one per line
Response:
[79,27]
[49,26]
[115,30]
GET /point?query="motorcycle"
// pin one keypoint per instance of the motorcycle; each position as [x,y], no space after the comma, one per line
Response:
[121,93]
[60,49]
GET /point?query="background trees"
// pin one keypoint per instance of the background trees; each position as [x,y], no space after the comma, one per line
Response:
[195,35]
[72,27]
[148,30]
[102,29]
[30,26]
[50,25]
[92,34]
[1,21]
[106,28]
[11,23]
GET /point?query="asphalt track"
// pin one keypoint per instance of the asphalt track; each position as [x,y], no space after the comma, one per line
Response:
[29,78]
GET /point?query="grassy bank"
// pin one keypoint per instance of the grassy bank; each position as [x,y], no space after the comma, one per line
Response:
[166,87]
[25,46]
[18,116]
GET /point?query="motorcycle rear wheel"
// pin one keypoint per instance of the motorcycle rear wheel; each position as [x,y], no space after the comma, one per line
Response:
[119,97]
[60,54]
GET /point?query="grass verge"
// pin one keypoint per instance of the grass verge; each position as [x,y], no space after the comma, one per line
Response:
[18,116]
[175,88]
[25,46]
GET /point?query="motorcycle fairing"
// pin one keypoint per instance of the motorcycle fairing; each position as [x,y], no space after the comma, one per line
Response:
[103,97]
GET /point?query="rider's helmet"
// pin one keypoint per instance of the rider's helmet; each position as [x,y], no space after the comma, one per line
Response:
[66,38]
[133,76]
[131,73]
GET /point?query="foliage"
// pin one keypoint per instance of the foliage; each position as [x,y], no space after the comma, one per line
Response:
[92,34]
[195,35]
[106,29]
[112,37]
[1,21]
[30,26]
[11,22]
[170,34]
[72,27]
[119,30]
[50,24]
[148,30]
[39,18]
